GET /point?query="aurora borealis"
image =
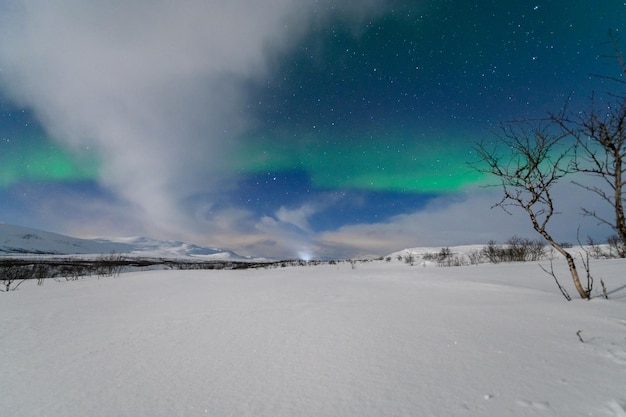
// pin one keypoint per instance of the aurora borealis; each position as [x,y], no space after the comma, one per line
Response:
[320,127]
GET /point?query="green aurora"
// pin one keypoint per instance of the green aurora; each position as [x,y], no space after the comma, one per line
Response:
[37,160]
[399,163]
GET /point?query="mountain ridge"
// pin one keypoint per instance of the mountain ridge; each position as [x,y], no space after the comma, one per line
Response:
[24,240]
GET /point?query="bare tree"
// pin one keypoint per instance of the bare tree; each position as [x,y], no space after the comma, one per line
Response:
[534,160]
[600,150]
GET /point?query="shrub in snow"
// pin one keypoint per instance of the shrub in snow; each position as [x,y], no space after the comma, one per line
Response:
[516,250]
[110,265]
[12,275]
[616,247]
[475,256]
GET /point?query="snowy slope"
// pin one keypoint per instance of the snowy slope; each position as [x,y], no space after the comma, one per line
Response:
[19,239]
[174,249]
[24,240]
[378,339]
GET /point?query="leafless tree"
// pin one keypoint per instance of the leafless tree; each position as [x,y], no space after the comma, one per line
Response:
[534,159]
[600,149]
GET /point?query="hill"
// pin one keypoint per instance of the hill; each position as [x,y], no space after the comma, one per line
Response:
[22,240]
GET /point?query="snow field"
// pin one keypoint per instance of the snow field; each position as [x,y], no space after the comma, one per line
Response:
[384,339]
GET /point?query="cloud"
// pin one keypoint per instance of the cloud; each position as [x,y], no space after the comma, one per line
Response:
[298,217]
[155,88]
[467,219]
[448,220]
[65,209]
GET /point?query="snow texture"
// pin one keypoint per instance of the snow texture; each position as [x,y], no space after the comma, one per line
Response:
[378,339]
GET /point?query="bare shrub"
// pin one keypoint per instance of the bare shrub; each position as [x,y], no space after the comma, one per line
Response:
[492,252]
[109,265]
[616,247]
[40,272]
[446,258]
[444,253]
[454,260]
[430,256]
[594,250]
[475,256]
[522,250]
[536,250]
[13,275]
[517,249]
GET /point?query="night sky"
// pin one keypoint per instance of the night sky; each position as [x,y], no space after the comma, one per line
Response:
[317,129]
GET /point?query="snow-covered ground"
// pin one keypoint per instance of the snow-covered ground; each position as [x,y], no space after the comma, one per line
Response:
[379,339]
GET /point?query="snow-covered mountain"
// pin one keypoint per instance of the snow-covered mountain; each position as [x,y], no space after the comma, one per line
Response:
[143,246]
[24,240]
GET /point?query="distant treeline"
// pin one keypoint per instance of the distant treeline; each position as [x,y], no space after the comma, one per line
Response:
[15,270]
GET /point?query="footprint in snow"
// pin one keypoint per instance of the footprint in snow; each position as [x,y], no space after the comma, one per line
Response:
[539,405]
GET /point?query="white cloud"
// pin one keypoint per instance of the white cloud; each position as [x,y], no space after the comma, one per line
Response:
[155,87]
[467,219]
[298,217]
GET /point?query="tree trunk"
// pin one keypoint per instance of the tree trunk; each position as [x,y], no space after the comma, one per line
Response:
[620,220]
[584,294]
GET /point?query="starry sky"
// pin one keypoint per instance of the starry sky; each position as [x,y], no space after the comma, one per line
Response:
[315,128]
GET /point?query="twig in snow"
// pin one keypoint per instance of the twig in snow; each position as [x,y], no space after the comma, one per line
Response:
[579,336]
[604,291]
[551,272]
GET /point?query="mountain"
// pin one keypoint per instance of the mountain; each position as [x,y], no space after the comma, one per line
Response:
[143,246]
[24,240]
